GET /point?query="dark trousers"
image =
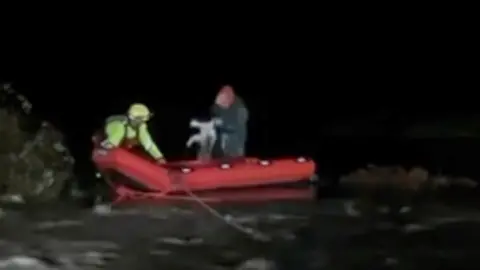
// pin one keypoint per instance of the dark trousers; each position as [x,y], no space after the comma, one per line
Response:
[229,146]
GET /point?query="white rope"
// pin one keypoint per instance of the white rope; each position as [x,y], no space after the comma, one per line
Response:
[254,234]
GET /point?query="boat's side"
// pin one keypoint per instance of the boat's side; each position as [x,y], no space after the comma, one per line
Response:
[136,168]
[253,172]
[204,176]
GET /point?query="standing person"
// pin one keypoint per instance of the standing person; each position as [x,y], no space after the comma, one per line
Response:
[230,109]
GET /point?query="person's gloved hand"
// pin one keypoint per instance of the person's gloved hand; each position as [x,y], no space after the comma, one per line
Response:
[106,145]
[161,161]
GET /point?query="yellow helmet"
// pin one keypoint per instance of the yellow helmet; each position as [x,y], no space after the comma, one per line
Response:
[138,111]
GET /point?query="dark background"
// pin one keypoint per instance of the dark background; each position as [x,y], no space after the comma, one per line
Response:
[298,85]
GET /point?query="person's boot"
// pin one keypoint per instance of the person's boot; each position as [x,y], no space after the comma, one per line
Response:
[102,204]
[101,207]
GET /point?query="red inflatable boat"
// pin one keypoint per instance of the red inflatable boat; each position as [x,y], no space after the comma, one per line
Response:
[242,179]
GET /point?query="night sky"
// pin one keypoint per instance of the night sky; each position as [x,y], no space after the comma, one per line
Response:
[295,87]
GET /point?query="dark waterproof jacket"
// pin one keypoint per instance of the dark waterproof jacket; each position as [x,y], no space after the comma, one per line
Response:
[233,132]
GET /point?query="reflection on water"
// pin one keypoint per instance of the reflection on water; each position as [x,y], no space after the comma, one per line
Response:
[303,235]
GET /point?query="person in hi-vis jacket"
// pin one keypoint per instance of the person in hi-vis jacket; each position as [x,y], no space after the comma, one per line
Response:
[123,130]
[131,130]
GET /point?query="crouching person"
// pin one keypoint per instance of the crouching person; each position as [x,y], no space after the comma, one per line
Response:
[127,130]
[131,130]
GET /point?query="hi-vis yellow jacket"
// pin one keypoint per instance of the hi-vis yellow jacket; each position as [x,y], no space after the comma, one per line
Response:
[117,130]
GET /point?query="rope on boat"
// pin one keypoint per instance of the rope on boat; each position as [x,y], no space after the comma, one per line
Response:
[254,234]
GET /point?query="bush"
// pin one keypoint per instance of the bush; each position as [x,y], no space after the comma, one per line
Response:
[395,188]
[35,163]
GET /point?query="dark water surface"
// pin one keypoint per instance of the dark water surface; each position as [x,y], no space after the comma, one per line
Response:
[302,235]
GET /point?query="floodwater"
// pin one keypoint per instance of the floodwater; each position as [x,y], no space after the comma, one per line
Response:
[286,235]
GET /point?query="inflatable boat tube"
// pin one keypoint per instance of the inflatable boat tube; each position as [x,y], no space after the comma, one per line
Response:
[203,176]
